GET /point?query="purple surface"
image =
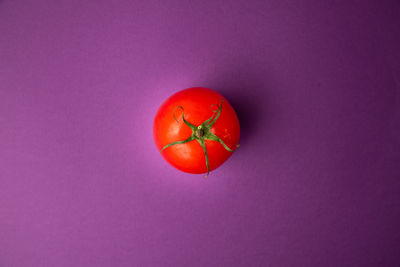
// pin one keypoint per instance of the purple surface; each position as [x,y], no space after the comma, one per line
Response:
[316,181]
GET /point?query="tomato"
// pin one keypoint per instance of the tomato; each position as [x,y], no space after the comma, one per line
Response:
[196,130]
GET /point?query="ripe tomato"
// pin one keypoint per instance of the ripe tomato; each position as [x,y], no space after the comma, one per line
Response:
[196,130]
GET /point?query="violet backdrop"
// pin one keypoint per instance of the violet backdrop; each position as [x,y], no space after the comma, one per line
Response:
[316,181]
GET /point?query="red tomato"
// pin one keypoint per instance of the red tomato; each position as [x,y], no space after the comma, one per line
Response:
[196,130]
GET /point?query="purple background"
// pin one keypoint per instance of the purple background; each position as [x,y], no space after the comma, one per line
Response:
[316,181]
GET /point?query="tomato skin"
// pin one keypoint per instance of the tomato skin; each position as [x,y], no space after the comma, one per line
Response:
[196,102]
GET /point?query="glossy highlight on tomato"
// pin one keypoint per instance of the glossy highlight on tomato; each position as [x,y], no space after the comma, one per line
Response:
[196,130]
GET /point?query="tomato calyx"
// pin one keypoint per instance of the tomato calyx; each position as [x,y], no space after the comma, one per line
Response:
[201,132]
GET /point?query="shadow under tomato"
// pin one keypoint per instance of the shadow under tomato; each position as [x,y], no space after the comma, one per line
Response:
[249,96]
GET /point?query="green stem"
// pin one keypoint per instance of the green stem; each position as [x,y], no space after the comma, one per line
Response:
[201,132]
[203,145]
[178,142]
